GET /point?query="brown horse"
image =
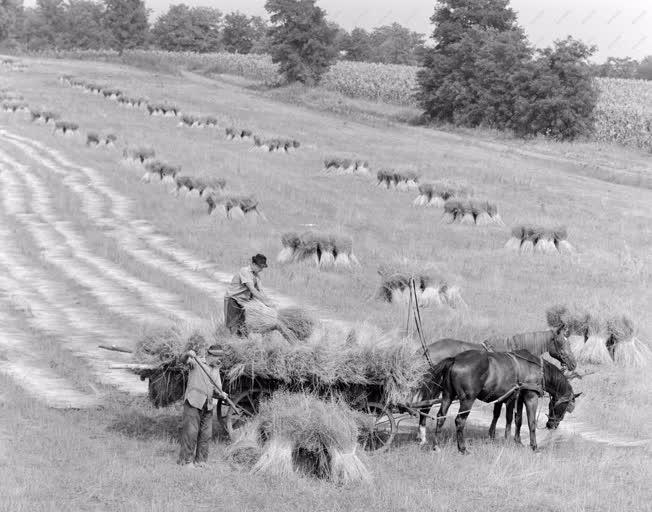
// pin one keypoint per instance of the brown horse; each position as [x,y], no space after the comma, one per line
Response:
[538,343]
[490,376]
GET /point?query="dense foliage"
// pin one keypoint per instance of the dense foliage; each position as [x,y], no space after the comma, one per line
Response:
[184,28]
[301,40]
[482,71]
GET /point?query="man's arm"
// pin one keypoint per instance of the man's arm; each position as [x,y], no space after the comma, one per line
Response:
[189,357]
[257,294]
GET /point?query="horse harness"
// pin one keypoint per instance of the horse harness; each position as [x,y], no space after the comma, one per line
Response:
[538,387]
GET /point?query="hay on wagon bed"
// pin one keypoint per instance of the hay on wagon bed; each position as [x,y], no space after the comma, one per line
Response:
[162,349]
[300,434]
[294,323]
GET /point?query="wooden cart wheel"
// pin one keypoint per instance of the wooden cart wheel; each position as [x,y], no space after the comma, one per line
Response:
[247,400]
[381,437]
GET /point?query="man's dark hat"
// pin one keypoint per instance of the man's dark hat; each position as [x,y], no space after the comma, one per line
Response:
[260,260]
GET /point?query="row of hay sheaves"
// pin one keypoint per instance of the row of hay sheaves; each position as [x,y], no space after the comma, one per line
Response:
[271,145]
[600,338]
[212,190]
[538,239]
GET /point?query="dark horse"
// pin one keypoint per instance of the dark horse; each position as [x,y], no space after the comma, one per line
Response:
[502,376]
[538,343]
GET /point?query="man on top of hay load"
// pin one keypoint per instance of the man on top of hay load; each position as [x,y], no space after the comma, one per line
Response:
[197,420]
[245,286]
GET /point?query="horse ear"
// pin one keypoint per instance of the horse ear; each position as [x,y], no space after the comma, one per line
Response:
[578,394]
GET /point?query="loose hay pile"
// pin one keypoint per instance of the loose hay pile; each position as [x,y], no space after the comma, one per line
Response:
[536,239]
[599,340]
[298,433]
[474,213]
[436,194]
[431,289]
[341,166]
[399,180]
[323,249]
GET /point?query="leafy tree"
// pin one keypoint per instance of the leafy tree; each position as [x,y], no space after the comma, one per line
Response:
[645,69]
[10,14]
[44,25]
[260,35]
[127,22]
[84,26]
[301,40]
[482,72]
[238,34]
[183,28]
[616,67]
[396,44]
[555,94]
[357,45]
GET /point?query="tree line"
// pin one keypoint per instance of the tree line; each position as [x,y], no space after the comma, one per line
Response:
[125,24]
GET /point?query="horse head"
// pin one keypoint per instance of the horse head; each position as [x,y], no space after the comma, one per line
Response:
[560,349]
[558,407]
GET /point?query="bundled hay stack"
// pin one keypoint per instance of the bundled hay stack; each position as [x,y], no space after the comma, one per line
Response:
[158,170]
[473,213]
[66,127]
[140,155]
[341,166]
[297,433]
[163,109]
[540,240]
[294,323]
[430,289]
[112,94]
[276,145]
[399,180]
[234,207]
[598,341]
[626,349]
[436,194]
[15,106]
[323,249]
[238,134]
[162,350]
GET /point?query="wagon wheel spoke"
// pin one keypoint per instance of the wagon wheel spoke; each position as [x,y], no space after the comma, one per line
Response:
[384,429]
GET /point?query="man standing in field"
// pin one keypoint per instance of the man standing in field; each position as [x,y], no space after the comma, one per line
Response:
[197,420]
[245,286]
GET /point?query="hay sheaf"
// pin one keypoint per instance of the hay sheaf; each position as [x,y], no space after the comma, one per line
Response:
[537,239]
[431,288]
[471,212]
[436,194]
[231,206]
[342,166]
[301,434]
[276,145]
[400,180]
[603,338]
[324,249]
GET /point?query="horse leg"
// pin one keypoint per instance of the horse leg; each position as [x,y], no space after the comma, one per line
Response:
[531,402]
[509,415]
[446,401]
[460,422]
[422,426]
[518,419]
[492,429]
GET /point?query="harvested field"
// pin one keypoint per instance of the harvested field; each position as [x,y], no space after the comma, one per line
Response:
[89,255]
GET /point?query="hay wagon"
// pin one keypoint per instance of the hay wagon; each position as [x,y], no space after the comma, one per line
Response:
[247,394]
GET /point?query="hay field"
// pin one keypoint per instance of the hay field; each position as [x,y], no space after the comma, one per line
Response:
[102,262]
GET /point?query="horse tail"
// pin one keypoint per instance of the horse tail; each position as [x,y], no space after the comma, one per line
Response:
[439,373]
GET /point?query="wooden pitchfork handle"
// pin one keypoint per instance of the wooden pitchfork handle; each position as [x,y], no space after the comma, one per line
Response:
[238,410]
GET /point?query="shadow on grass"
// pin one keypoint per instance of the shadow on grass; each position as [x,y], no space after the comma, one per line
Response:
[150,425]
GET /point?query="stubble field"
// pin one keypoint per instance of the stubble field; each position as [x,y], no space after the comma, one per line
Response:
[106,273]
